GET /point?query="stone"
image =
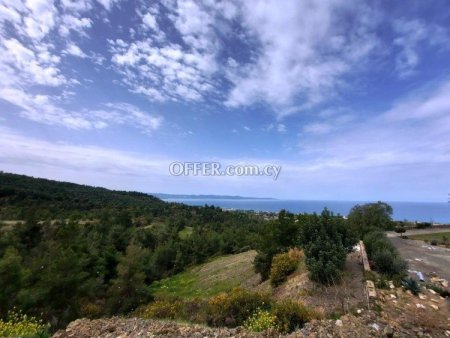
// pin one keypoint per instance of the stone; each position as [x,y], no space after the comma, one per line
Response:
[420,306]
[388,331]
[432,291]
[339,323]
[435,307]
[375,326]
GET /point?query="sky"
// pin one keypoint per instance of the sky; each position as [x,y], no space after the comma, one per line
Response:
[350,98]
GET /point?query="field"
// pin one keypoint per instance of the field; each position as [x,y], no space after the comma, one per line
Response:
[438,236]
[218,275]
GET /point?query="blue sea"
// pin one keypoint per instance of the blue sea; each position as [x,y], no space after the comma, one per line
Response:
[411,211]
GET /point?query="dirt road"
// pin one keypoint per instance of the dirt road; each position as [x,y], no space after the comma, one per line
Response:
[419,231]
[423,257]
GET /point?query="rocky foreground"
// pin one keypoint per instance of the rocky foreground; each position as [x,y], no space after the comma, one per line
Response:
[367,325]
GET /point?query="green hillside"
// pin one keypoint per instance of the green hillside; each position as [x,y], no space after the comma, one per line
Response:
[69,251]
[218,275]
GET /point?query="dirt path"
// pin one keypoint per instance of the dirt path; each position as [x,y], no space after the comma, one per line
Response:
[423,257]
[418,231]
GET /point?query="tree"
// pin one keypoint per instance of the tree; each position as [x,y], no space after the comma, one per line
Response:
[371,216]
[128,290]
[277,236]
[326,241]
[400,230]
[12,275]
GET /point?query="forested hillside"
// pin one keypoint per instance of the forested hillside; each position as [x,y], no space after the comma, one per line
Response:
[80,251]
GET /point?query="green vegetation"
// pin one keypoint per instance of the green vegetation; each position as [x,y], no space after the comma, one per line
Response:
[260,321]
[384,256]
[219,275]
[368,217]
[257,311]
[185,232]
[412,285]
[79,251]
[283,265]
[326,239]
[57,263]
[440,237]
[18,324]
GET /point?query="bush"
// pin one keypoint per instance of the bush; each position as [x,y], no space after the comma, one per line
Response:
[282,266]
[18,324]
[411,285]
[382,283]
[441,291]
[261,320]
[434,242]
[292,315]
[384,256]
[262,264]
[164,309]
[233,308]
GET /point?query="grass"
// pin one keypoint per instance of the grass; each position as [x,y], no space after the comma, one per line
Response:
[429,237]
[185,233]
[219,275]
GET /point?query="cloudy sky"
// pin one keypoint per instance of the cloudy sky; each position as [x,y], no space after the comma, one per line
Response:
[351,98]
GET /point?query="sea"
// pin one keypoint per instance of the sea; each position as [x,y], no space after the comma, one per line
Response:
[433,212]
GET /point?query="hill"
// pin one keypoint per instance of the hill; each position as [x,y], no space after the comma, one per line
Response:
[19,192]
[208,279]
[72,251]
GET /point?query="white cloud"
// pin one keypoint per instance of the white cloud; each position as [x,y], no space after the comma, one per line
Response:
[412,36]
[108,4]
[318,128]
[303,51]
[42,18]
[392,139]
[40,68]
[150,21]
[74,50]
[71,23]
[281,128]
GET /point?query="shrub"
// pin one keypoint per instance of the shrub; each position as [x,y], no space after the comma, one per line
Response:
[384,256]
[164,309]
[262,264]
[411,285]
[282,266]
[441,291]
[434,242]
[18,324]
[233,308]
[382,284]
[292,315]
[261,320]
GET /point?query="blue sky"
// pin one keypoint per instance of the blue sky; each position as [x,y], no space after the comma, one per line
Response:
[351,98]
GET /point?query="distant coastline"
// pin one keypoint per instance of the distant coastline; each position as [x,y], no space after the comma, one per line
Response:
[208,197]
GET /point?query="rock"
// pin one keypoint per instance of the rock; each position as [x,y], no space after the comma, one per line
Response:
[375,326]
[393,296]
[422,297]
[391,285]
[420,306]
[388,331]
[432,291]
[338,323]
[434,307]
